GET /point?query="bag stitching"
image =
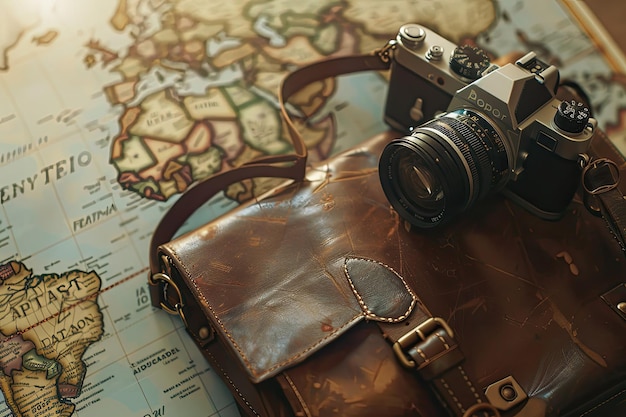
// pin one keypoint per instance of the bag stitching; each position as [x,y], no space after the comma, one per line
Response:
[456,400]
[232,383]
[442,340]
[469,384]
[452,394]
[305,408]
[362,302]
[602,403]
[243,356]
[445,384]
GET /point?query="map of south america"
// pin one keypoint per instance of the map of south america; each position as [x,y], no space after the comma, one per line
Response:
[46,323]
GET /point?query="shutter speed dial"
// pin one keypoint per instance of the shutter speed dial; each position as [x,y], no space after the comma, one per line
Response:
[469,62]
[572,116]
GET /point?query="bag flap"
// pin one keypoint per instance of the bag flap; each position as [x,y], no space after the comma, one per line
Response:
[281,277]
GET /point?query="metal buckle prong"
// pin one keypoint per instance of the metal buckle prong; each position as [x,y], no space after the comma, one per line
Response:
[419,334]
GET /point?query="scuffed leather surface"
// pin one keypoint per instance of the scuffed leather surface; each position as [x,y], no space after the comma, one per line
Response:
[522,294]
[272,273]
[384,388]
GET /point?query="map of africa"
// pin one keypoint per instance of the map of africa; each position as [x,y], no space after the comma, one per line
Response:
[112,109]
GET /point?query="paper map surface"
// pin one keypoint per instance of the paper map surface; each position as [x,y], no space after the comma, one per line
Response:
[110,109]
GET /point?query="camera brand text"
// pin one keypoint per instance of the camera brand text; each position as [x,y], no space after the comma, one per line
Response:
[496,113]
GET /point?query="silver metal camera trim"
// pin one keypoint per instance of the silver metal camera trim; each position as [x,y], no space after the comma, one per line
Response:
[549,76]
[508,83]
[414,55]
[569,145]
[496,94]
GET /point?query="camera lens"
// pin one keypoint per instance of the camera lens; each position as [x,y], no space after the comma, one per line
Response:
[444,167]
[419,181]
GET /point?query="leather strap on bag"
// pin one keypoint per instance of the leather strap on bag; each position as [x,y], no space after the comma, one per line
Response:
[431,350]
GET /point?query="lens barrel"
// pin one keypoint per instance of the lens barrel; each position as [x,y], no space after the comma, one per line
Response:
[443,167]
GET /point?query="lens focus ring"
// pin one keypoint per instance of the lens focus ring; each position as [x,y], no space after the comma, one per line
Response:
[479,144]
[456,131]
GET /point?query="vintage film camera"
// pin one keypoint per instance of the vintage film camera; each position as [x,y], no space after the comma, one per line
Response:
[476,128]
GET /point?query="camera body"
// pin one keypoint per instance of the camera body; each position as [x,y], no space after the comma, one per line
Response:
[489,127]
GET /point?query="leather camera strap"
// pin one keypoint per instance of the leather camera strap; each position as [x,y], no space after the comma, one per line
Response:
[437,357]
[289,166]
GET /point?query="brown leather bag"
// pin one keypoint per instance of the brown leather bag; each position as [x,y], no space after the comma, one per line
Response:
[316,299]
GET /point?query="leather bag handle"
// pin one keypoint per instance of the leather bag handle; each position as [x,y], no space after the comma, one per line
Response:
[288,166]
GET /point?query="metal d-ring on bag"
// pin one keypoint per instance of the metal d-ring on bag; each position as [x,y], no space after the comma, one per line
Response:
[315,309]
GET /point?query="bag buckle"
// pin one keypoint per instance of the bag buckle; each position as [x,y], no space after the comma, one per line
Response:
[430,348]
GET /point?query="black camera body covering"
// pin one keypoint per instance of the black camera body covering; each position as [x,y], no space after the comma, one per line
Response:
[473,128]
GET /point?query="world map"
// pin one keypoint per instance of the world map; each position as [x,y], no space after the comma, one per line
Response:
[112,109]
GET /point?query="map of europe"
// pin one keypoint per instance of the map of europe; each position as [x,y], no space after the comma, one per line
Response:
[214,104]
[111,109]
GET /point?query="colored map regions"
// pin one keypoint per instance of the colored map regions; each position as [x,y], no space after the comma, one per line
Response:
[200,81]
[168,142]
[47,322]
[172,138]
